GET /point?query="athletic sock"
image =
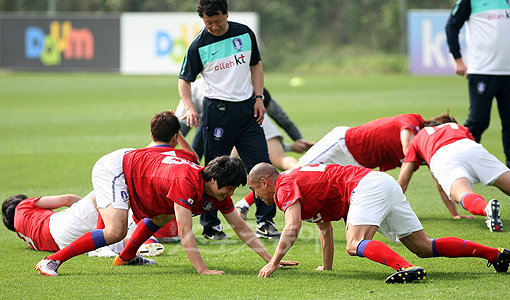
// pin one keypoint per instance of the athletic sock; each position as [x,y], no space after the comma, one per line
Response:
[242,203]
[474,203]
[381,253]
[455,247]
[144,230]
[89,241]
[250,198]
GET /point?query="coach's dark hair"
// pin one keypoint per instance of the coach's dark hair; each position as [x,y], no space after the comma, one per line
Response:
[226,170]
[9,208]
[164,126]
[441,119]
[211,7]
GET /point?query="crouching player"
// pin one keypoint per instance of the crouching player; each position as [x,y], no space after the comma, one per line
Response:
[371,201]
[158,185]
[457,162]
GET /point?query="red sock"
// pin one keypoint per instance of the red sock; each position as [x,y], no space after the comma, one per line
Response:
[250,198]
[89,241]
[474,203]
[455,247]
[144,230]
[381,253]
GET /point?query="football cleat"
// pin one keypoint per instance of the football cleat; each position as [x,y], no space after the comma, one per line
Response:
[407,275]
[501,264]
[267,230]
[215,233]
[48,267]
[137,261]
[242,211]
[493,220]
[151,249]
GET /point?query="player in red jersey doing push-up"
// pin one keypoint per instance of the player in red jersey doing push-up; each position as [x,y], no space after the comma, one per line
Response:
[370,201]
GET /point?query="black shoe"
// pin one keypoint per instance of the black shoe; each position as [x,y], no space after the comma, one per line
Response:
[501,264]
[267,230]
[409,274]
[214,234]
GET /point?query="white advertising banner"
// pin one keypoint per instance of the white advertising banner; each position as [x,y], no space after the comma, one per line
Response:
[155,43]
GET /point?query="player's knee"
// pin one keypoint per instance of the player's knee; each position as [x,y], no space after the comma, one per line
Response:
[352,248]
[114,234]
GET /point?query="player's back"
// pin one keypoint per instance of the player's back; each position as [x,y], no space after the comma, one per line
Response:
[150,175]
[377,143]
[323,189]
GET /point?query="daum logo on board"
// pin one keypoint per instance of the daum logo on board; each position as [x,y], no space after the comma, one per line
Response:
[174,47]
[62,43]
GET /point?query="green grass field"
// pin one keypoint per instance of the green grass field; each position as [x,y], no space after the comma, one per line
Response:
[54,126]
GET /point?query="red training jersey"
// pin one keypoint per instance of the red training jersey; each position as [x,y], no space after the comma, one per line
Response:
[377,143]
[32,224]
[158,177]
[430,139]
[323,189]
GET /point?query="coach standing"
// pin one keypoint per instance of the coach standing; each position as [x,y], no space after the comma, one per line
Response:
[226,55]
[488,61]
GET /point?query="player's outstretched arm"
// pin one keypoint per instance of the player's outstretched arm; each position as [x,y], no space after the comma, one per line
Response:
[406,172]
[327,244]
[188,241]
[287,239]
[452,208]
[53,202]
[246,234]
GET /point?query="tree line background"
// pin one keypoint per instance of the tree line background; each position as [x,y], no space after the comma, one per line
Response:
[295,34]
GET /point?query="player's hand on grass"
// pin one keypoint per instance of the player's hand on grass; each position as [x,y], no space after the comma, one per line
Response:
[212,272]
[286,263]
[458,217]
[267,270]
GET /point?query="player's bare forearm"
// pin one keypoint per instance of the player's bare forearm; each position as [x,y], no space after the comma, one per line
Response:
[327,243]
[289,233]
[53,202]
[188,241]
[406,172]
[185,145]
[247,235]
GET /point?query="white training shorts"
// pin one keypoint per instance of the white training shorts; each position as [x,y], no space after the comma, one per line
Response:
[378,200]
[465,158]
[270,129]
[109,182]
[331,149]
[69,224]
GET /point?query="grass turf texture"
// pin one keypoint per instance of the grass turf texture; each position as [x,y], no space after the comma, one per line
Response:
[54,126]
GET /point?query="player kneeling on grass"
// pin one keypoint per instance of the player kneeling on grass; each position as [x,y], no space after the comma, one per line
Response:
[371,201]
[43,229]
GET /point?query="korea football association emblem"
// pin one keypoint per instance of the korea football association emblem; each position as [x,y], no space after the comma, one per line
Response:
[208,205]
[218,133]
[238,45]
